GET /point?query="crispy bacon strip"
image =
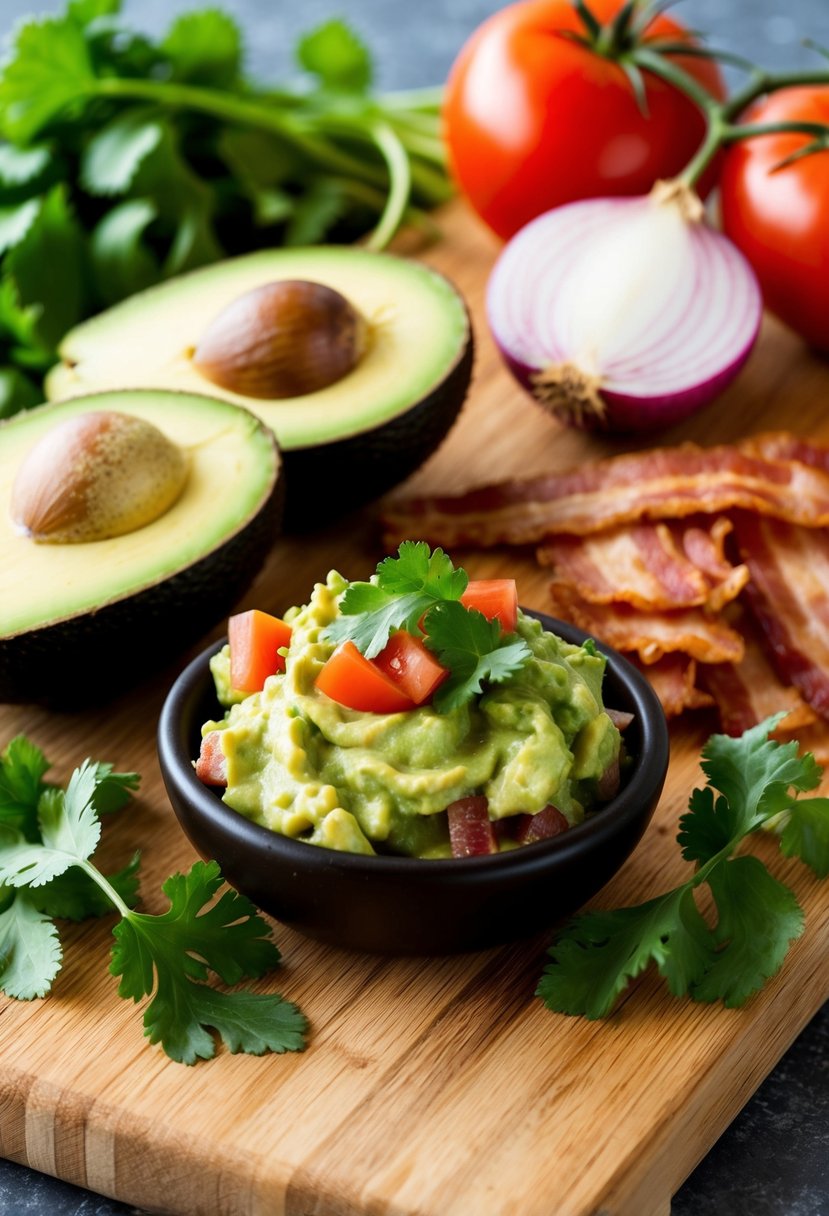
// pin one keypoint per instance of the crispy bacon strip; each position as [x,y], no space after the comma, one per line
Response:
[650,565]
[748,692]
[664,483]
[651,635]
[789,597]
[783,445]
[674,680]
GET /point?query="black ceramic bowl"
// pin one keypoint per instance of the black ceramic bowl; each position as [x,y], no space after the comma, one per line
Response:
[402,905]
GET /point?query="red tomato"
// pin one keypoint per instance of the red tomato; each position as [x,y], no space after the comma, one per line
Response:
[534,120]
[412,667]
[355,682]
[255,638]
[496,598]
[781,220]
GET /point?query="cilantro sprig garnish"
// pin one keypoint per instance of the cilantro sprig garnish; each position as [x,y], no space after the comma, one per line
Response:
[474,650]
[751,780]
[47,838]
[401,591]
[420,591]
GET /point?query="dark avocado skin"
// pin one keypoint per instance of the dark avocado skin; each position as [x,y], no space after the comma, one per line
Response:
[89,658]
[352,471]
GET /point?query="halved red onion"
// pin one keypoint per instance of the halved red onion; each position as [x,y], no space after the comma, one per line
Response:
[624,314]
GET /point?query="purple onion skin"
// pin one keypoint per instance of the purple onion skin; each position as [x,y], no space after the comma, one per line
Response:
[628,415]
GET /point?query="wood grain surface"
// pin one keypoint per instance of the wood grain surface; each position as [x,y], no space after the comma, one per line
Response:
[434,1087]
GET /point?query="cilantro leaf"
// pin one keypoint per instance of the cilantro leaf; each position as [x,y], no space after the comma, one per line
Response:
[183,201]
[475,651]
[757,918]
[19,336]
[68,821]
[48,266]
[15,222]
[311,216]
[74,895]
[181,1011]
[114,154]
[333,53]
[598,953]
[754,775]
[21,166]
[403,589]
[806,834]
[205,48]
[417,569]
[87,11]
[22,767]
[113,791]
[261,167]
[50,71]
[30,952]
[755,772]
[169,952]
[122,263]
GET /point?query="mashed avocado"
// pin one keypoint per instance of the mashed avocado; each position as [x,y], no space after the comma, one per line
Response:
[301,764]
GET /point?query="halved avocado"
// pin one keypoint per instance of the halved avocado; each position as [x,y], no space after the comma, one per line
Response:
[342,445]
[80,621]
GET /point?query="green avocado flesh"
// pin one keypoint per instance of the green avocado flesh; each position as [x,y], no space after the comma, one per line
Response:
[233,464]
[303,765]
[417,325]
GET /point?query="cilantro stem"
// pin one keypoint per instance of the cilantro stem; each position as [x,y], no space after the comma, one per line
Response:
[107,888]
[425,101]
[400,179]
[233,109]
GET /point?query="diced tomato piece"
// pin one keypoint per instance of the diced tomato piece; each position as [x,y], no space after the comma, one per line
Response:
[412,666]
[354,681]
[546,824]
[496,598]
[211,766]
[470,830]
[255,640]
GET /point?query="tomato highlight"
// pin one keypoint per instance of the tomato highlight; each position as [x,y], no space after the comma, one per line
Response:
[535,117]
[776,214]
[496,598]
[356,682]
[255,639]
[412,667]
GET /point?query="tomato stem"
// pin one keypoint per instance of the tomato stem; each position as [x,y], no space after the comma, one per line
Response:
[721,129]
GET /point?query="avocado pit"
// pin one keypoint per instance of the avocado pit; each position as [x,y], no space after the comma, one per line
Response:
[284,339]
[97,475]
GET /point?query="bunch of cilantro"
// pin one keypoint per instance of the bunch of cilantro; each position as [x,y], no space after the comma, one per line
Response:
[124,161]
[753,783]
[47,837]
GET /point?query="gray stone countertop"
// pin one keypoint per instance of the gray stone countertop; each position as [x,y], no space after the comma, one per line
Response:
[774,1159]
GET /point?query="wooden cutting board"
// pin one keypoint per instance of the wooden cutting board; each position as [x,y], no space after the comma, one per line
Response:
[438,1087]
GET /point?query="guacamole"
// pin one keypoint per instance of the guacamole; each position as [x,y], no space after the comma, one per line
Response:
[301,764]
